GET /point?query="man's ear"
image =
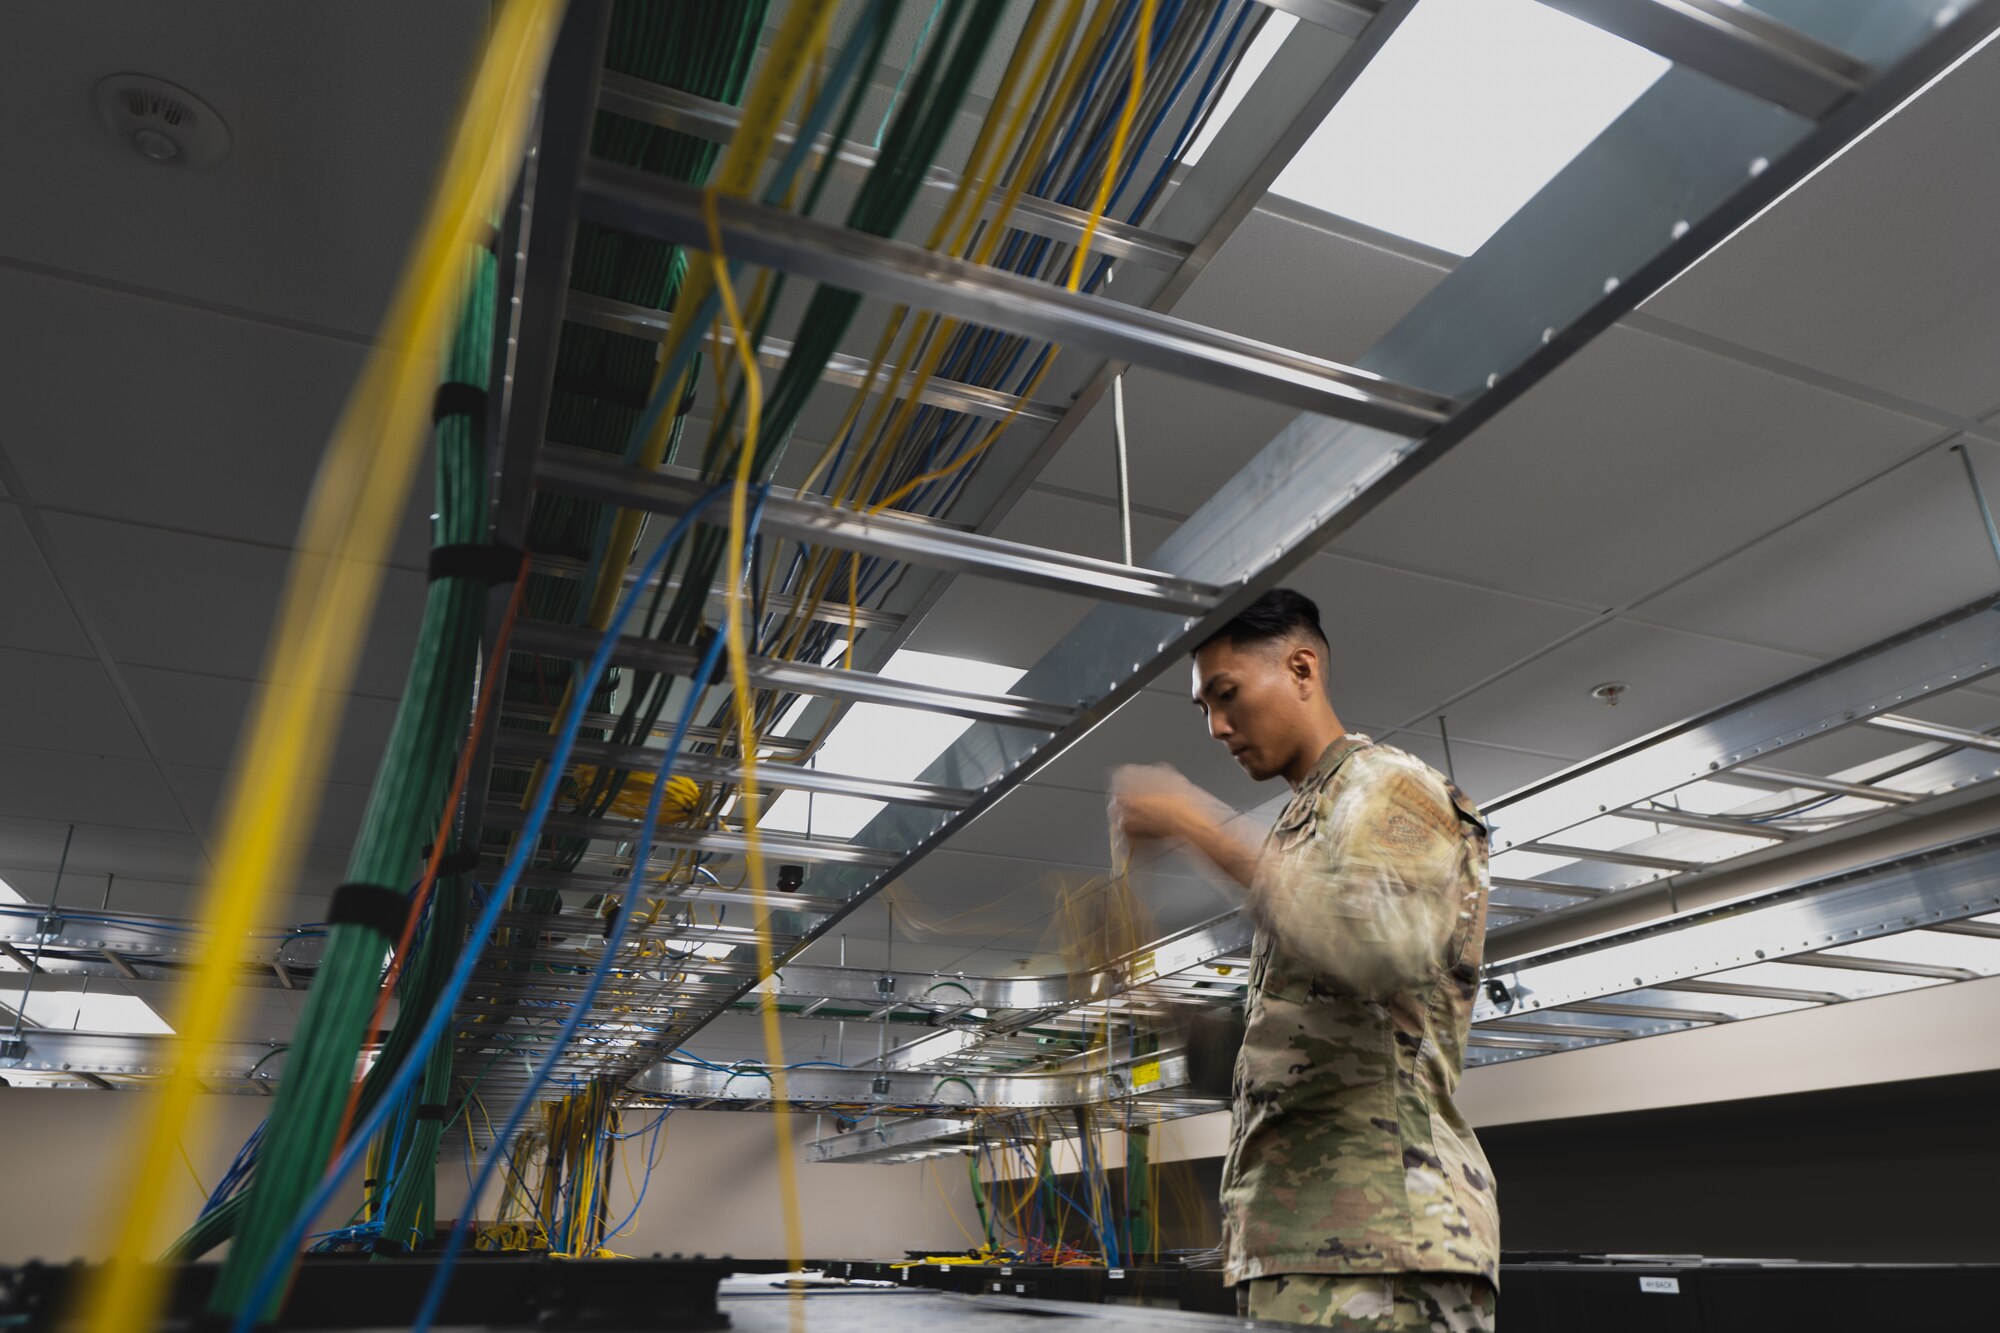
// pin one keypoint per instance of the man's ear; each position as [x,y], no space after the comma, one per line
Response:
[1304,665]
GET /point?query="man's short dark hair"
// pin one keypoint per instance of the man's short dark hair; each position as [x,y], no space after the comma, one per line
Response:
[1279,614]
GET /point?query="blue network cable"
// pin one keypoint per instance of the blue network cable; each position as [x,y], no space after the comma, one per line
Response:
[440,1018]
[641,855]
[645,1181]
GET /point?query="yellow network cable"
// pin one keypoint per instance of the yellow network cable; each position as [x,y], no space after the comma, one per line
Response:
[739,673]
[794,48]
[1114,159]
[1119,134]
[353,514]
[964,209]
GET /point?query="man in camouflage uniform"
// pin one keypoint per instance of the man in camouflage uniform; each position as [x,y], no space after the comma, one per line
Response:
[1354,1194]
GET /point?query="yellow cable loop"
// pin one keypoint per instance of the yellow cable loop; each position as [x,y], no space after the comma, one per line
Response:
[1104,186]
[351,518]
[739,672]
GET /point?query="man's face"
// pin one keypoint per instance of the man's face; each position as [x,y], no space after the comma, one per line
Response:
[1253,698]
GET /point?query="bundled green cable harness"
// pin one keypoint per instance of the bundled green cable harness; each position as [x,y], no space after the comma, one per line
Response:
[404,807]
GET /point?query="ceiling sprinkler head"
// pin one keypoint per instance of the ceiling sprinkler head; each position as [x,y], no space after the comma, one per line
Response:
[161,122]
[1610,693]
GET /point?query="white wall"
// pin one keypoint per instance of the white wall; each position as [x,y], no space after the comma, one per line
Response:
[1925,1033]
[65,1152]
[715,1192]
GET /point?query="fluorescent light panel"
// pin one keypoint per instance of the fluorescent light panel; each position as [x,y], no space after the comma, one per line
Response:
[1467,111]
[894,744]
[102,1012]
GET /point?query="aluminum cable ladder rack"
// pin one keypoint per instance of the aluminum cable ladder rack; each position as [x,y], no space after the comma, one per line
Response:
[1756,101]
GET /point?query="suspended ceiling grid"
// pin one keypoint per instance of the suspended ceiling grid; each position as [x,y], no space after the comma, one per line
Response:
[1523,587]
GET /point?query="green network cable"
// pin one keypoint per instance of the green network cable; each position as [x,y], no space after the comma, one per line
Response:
[402,814]
[602,378]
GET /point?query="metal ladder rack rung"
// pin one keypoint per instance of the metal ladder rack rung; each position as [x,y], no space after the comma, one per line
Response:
[777,846]
[841,368]
[673,109]
[709,768]
[576,643]
[897,535]
[664,210]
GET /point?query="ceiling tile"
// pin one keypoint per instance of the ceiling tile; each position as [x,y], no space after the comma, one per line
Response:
[1546,706]
[62,785]
[1183,440]
[63,703]
[996,622]
[1404,643]
[337,120]
[1639,461]
[99,849]
[1154,727]
[339,805]
[1878,269]
[197,719]
[1284,278]
[33,611]
[97,891]
[1483,772]
[1083,527]
[992,621]
[955,894]
[218,426]
[1890,555]
[1063,827]
[189,603]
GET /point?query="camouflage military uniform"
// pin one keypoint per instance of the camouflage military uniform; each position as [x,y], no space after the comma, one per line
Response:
[1391,1303]
[1347,1156]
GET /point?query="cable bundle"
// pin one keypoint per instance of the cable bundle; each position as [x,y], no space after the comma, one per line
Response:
[1082,84]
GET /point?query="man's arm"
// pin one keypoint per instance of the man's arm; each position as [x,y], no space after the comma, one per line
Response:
[1371,900]
[1153,802]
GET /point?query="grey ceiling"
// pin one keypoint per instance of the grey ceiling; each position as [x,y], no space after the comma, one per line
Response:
[1745,478]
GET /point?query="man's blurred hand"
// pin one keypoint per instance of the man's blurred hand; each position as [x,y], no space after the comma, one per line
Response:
[1154,802]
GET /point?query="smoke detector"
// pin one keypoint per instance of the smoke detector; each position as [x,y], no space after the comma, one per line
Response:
[161,122]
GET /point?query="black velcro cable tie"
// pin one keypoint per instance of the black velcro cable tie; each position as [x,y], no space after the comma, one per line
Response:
[456,398]
[381,910]
[495,562]
[462,862]
[430,1111]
